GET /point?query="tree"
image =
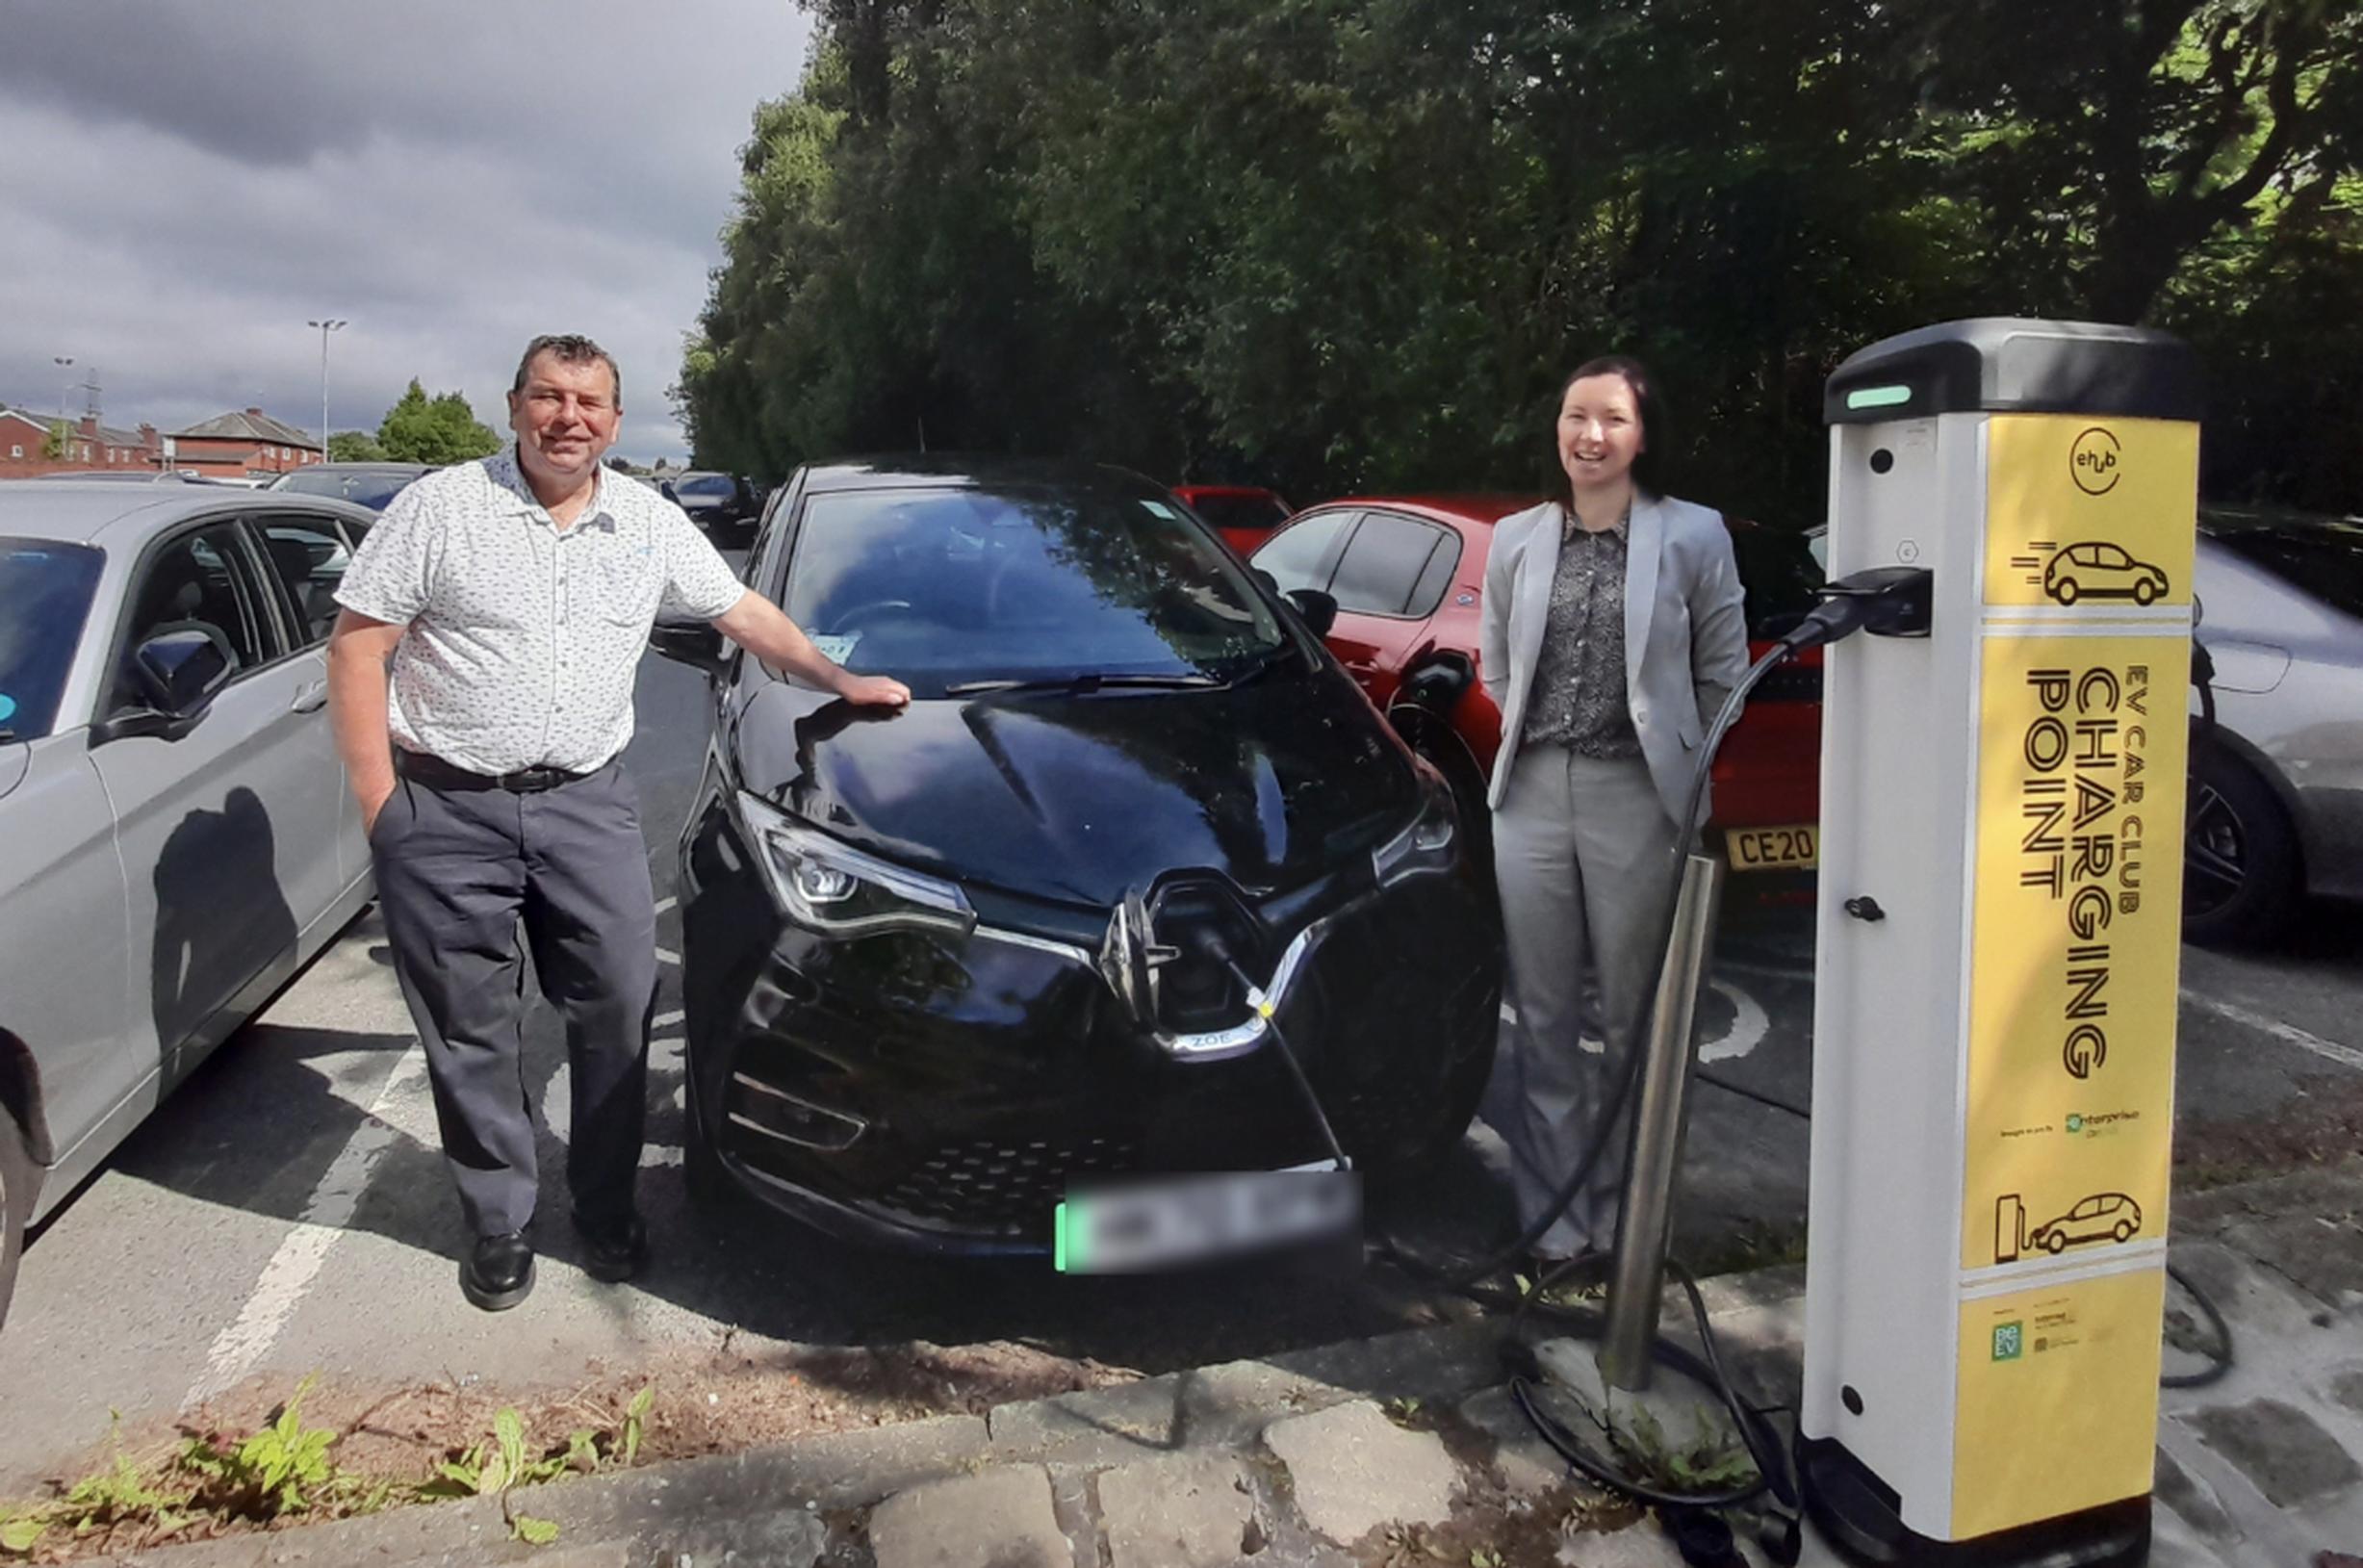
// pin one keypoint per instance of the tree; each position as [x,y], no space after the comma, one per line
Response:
[54,445]
[438,431]
[356,447]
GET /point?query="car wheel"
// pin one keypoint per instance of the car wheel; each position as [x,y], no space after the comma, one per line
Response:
[15,1206]
[1419,1153]
[2066,592]
[2056,1243]
[2240,855]
[2125,1230]
[2144,593]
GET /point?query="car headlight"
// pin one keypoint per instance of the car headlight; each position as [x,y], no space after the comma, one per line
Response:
[1427,845]
[833,888]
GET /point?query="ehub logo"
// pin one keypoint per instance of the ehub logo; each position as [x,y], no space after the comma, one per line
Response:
[2096,462]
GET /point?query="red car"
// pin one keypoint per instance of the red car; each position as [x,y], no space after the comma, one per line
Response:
[1407,573]
[1244,514]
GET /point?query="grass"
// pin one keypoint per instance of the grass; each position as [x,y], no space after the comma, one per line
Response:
[211,1484]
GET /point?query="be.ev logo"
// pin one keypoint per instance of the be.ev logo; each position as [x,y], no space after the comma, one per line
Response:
[2097,461]
[2010,1340]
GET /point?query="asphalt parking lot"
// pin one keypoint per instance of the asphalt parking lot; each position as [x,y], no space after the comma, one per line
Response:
[287,1213]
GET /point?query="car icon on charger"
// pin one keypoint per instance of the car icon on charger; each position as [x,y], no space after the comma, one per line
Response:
[2102,570]
[2104,1217]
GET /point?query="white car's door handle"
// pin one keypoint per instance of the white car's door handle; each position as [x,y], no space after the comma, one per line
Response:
[311,698]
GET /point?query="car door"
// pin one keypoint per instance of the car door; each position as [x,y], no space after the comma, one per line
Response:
[61,987]
[1388,581]
[219,825]
[306,553]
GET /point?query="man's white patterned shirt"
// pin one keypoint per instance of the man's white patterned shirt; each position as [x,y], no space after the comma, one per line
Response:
[524,637]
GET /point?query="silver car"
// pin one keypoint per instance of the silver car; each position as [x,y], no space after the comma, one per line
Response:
[2277,789]
[175,835]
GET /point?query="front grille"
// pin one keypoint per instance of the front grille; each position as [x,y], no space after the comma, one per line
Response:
[1007,1183]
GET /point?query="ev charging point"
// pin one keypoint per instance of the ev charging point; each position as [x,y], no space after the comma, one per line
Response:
[1999,930]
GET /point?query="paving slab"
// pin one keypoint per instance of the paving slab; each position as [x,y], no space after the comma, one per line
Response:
[2280,1448]
[1192,1511]
[998,1518]
[1353,1471]
[1528,1465]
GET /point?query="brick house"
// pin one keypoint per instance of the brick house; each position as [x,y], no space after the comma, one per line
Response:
[90,447]
[242,446]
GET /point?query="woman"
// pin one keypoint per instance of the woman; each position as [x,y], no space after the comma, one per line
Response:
[1612,633]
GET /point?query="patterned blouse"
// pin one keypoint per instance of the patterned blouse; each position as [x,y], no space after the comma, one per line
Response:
[1579,699]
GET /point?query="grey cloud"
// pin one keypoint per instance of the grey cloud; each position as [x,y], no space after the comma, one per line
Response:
[452,178]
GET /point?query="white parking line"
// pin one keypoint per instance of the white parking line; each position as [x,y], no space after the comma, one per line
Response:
[1749,1026]
[666,955]
[326,1217]
[665,1021]
[664,904]
[2329,1050]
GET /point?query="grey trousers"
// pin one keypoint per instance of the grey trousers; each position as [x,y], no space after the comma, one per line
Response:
[1583,852]
[459,872]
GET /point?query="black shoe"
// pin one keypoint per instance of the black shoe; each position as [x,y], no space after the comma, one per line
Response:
[613,1254]
[498,1272]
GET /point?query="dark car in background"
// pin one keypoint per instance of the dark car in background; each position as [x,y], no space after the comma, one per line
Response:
[942,963]
[365,484]
[1408,575]
[724,506]
[1244,514]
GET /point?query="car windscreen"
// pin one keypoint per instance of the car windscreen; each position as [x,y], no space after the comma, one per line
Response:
[702,486]
[939,586]
[1241,511]
[44,598]
[2320,557]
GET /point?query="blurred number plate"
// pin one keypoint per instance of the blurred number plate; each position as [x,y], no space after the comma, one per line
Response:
[1172,1221]
[1773,849]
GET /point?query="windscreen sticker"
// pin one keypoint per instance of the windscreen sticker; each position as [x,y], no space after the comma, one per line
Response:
[837,649]
[1160,509]
[8,707]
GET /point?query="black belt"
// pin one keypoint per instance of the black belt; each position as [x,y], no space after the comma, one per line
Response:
[442,775]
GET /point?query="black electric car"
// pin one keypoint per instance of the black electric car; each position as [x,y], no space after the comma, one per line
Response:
[938,963]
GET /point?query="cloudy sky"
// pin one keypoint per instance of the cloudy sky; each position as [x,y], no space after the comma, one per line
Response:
[185,183]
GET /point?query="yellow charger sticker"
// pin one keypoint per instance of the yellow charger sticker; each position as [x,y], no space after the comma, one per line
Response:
[2057,1404]
[2078,941]
[2087,511]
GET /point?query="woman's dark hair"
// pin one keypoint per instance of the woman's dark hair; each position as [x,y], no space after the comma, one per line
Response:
[1649,469]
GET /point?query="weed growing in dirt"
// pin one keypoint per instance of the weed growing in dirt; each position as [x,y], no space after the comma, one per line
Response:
[208,1485]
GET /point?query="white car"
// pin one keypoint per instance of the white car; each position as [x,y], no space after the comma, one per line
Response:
[176,837]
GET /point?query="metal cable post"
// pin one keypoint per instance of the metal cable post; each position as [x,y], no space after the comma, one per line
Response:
[1637,1278]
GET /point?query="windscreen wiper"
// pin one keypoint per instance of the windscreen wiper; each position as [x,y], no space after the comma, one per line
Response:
[1089,680]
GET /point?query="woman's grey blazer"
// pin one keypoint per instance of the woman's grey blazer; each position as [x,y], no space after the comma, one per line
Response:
[1685,634]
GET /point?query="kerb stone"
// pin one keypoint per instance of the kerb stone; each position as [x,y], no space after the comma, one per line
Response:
[1354,1471]
[1002,1517]
[1190,1511]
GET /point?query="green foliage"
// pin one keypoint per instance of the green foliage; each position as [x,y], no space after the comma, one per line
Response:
[1340,244]
[288,1468]
[356,447]
[441,430]
[55,444]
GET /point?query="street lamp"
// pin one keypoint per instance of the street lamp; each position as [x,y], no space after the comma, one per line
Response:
[325,327]
[65,385]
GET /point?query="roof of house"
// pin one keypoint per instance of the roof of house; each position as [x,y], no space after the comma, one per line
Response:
[247,425]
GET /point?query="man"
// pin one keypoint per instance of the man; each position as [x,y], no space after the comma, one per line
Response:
[512,599]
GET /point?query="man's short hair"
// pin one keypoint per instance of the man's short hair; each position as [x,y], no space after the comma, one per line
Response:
[567,349]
